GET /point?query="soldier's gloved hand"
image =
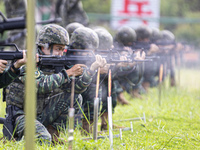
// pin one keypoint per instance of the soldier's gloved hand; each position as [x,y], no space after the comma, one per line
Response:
[100,62]
[3,64]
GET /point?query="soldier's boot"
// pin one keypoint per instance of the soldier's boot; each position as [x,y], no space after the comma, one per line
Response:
[146,86]
[104,121]
[121,99]
[87,126]
[55,136]
[172,82]
[135,94]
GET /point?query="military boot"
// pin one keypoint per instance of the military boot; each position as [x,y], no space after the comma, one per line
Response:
[87,126]
[146,86]
[55,135]
[135,94]
[104,121]
[172,82]
[121,99]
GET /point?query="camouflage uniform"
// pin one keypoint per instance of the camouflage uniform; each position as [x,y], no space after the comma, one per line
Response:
[16,8]
[72,11]
[167,55]
[7,77]
[125,37]
[53,92]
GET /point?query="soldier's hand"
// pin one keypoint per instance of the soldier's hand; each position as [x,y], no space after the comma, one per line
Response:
[123,64]
[76,70]
[22,61]
[153,49]
[104,70]
[3,64]
[140,57]
[100,62]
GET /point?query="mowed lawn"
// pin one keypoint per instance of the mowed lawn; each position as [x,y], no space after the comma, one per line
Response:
[175,124]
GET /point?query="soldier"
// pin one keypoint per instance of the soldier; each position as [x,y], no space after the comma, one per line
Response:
[16,8]
[53,89]
[72,11]
[124,39]
[9,74]
[152,68]
[167,46]
[143,43]
[85,38]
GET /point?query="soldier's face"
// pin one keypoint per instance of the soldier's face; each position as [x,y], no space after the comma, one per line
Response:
[57,50]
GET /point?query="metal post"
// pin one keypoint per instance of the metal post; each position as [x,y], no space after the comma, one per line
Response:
[96,107]
[30,102]
[109,99]
[160,85]
[71,116]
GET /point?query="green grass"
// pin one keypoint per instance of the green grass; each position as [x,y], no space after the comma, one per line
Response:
[173,125]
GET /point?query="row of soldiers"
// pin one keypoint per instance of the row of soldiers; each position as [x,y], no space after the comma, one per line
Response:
[54,87]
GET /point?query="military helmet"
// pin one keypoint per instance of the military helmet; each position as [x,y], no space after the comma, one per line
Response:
[167,36]
[143,32]
[52,34]
[156,35]
[84,38]
[125,35]
[72,26]
[105,39]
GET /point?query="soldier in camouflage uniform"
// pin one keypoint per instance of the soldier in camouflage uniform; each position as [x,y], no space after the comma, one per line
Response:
[53,89]
[167,46]
[86,38]
[72,11]
[12,72]
[124,39]
[143,44]
[151,69]
[16,8]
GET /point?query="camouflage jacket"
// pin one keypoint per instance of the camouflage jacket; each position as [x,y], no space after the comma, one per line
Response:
[46,87]
[7,77]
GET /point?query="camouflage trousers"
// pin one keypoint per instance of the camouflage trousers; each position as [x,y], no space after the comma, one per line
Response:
[89,96]
[55,113]
[41,132]
[88,101]
[104,107]
[150,72]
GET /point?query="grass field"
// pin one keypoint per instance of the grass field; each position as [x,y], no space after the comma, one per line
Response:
[173,125]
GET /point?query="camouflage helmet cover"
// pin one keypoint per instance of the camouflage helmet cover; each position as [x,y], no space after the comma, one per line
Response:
[52,34]
[125,35]
[73,26]
[105,39]
[84,38]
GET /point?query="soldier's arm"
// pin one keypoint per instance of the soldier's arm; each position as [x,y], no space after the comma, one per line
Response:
[7,77]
